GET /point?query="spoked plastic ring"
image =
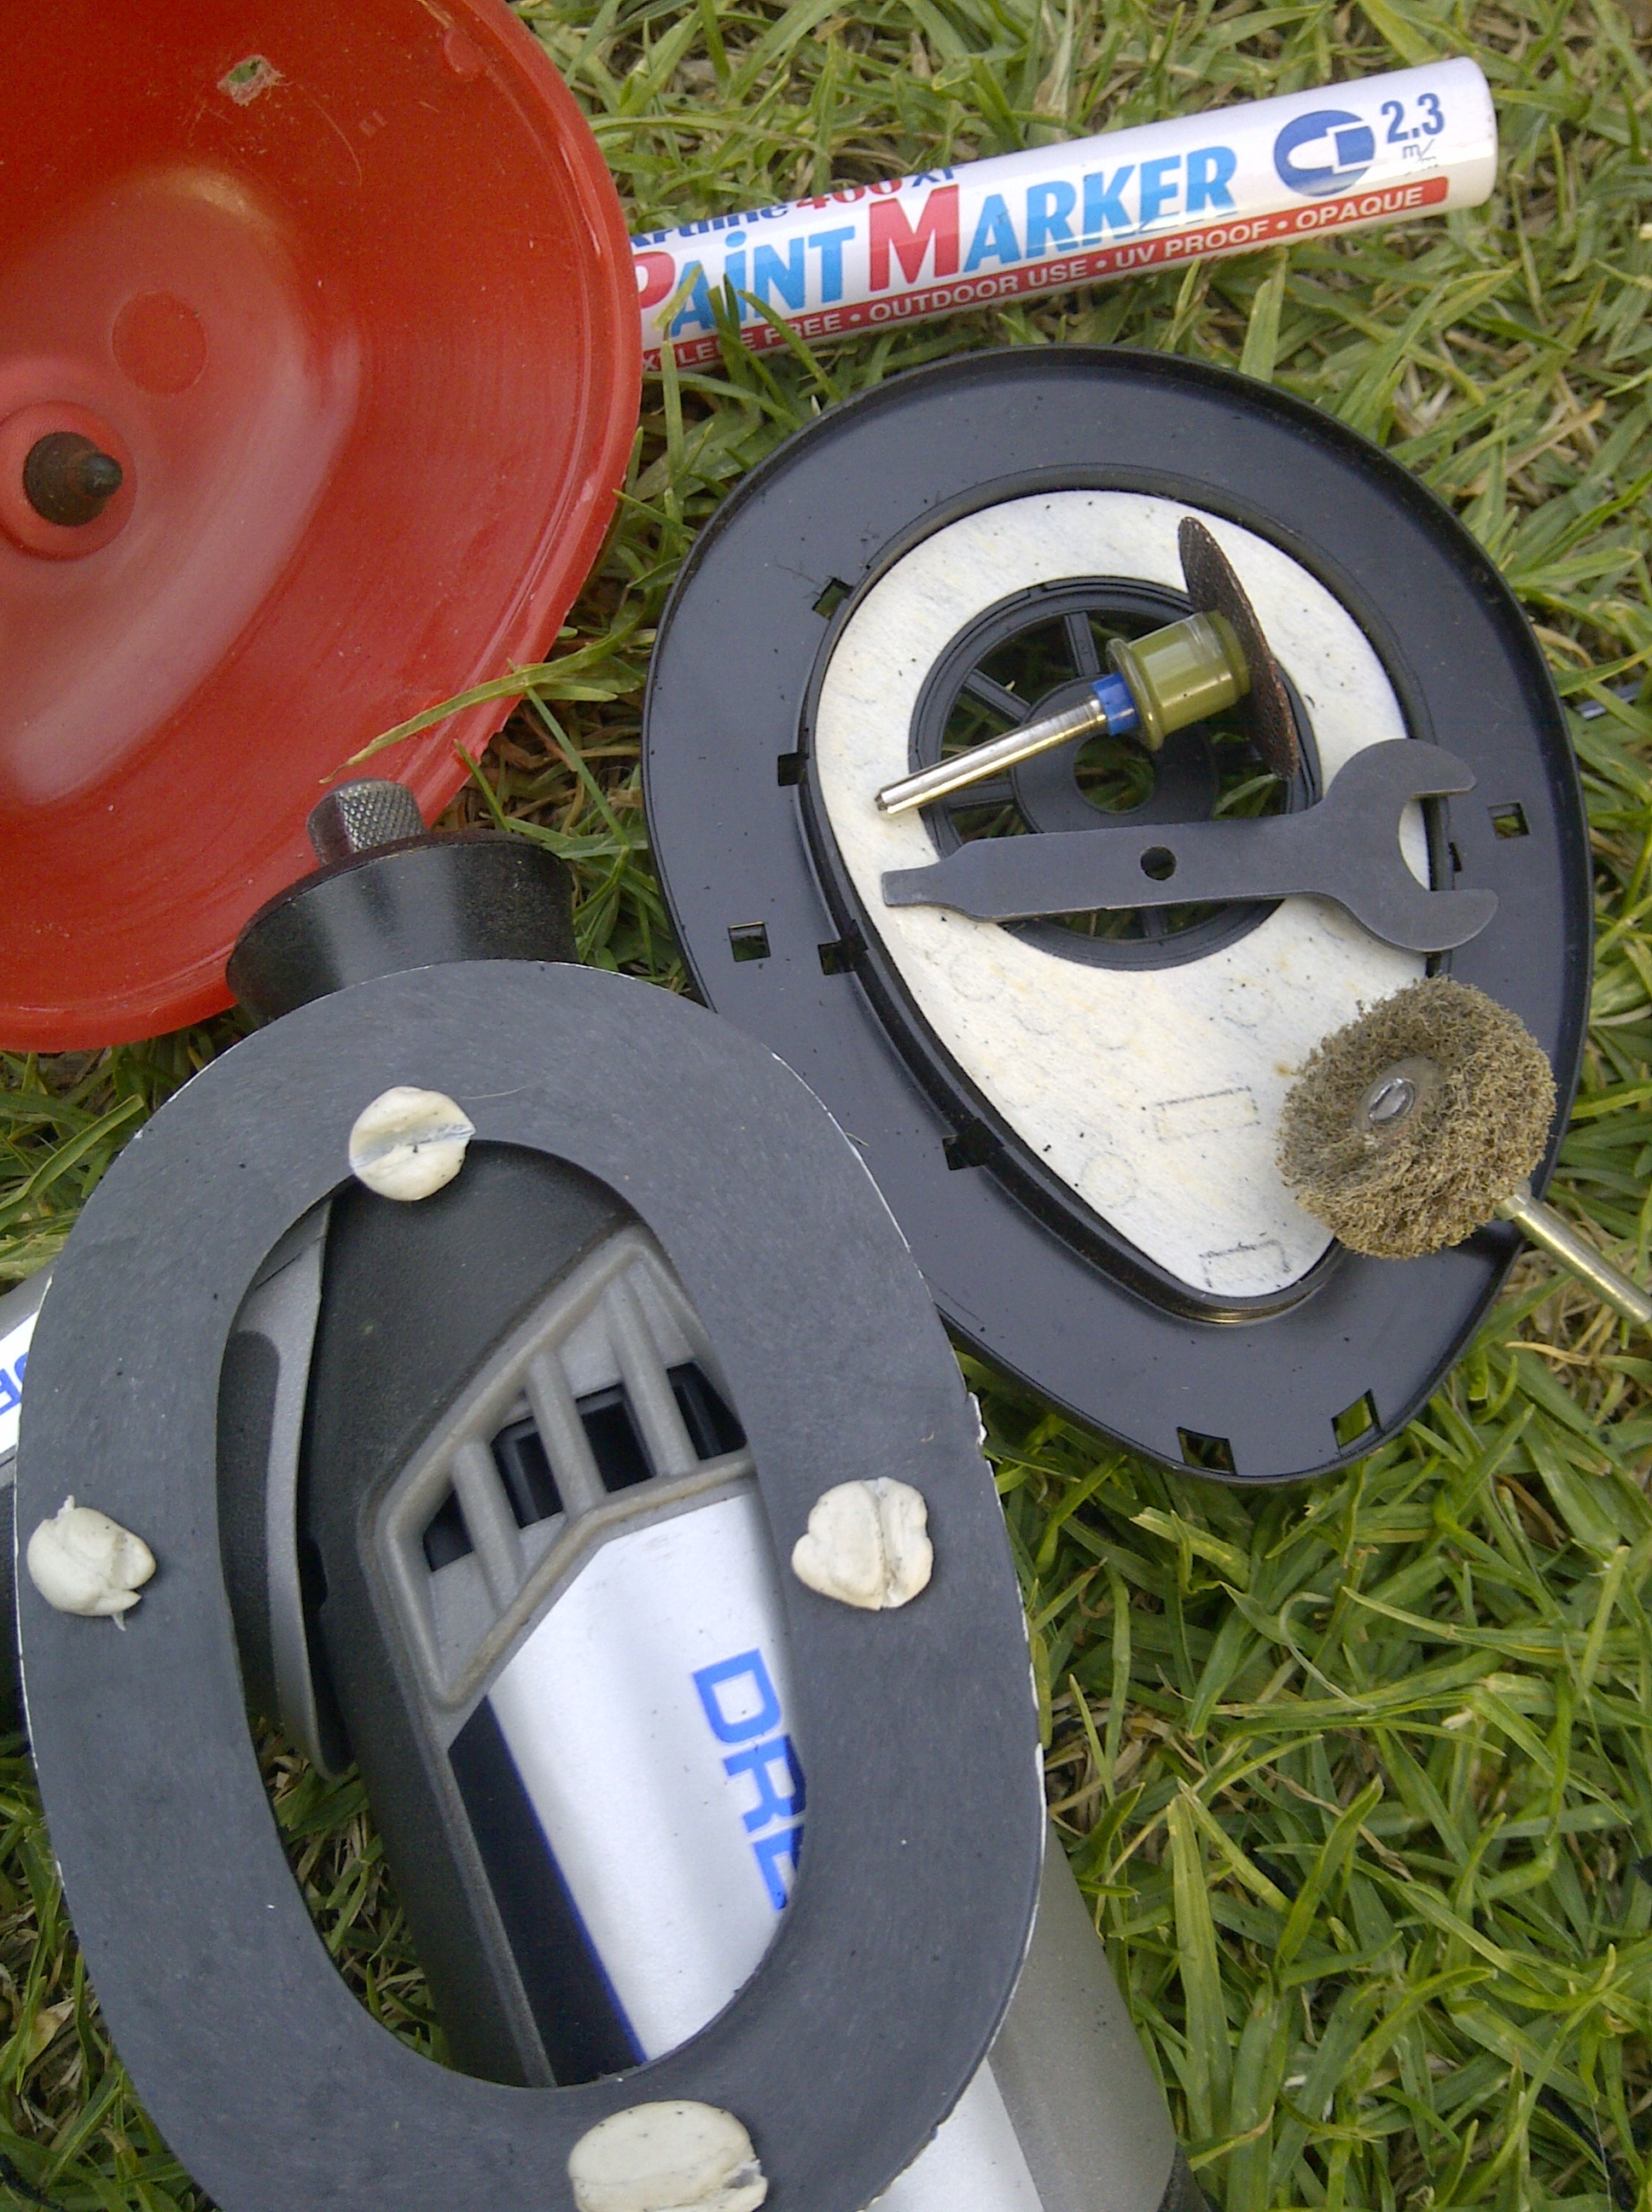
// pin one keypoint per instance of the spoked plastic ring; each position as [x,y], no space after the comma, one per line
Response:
[1199,775]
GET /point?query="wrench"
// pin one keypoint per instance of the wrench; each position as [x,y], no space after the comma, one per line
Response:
[1346,849]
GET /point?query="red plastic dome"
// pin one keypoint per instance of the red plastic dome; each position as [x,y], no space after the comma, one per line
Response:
[345,293]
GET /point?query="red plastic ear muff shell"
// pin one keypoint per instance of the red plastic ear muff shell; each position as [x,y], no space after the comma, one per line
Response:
[348,295]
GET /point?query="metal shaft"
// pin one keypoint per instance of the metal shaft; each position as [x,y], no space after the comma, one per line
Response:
[955,774]
[1547,1229]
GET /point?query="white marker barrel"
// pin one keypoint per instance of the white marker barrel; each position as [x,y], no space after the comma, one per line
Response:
[1345,157]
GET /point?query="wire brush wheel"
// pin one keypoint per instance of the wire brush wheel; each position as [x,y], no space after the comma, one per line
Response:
[1408,1127]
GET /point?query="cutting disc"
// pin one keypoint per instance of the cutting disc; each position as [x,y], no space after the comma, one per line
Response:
[346,296]
[1075,1117]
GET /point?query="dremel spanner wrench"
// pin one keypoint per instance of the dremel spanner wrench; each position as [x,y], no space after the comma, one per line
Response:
[1345,848]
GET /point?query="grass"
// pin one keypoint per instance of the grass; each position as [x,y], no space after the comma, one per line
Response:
[1359,1775]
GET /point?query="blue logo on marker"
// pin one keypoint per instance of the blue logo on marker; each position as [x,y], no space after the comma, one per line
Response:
[1350,144]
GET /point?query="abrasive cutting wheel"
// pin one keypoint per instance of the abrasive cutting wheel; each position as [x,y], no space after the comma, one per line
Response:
[318,365]
[1074,1113]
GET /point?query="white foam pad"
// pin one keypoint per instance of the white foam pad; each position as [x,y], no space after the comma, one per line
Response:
[1155,1093]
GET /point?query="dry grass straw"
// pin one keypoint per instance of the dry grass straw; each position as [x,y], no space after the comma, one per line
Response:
[1359,1777]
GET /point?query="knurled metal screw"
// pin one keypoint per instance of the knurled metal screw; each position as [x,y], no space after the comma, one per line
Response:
[358,817]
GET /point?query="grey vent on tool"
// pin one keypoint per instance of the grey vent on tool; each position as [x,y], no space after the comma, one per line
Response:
[357,818]
[501,1507]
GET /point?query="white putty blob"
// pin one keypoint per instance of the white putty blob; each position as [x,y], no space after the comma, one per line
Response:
[408,1142]
[866,1544]
[667,2158]
[81,1561]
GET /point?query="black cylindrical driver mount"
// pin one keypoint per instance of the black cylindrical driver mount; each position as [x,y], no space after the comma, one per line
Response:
[390,895]
[417,903]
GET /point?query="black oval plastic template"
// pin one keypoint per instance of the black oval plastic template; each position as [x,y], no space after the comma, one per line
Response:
[878,1997]
[1253,1365]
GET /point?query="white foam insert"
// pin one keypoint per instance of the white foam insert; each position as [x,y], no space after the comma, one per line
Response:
[1155,1094]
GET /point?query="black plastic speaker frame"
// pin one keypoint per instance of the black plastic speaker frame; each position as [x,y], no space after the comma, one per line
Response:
[1271,1391]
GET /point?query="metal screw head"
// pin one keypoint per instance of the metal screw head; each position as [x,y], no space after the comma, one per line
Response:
[359,817]
[1392,1097]
[1392,1101]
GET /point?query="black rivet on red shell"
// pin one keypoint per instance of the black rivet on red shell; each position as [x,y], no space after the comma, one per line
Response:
[69,480]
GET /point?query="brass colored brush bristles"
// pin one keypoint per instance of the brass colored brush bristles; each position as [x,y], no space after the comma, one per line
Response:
[1481,1098]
